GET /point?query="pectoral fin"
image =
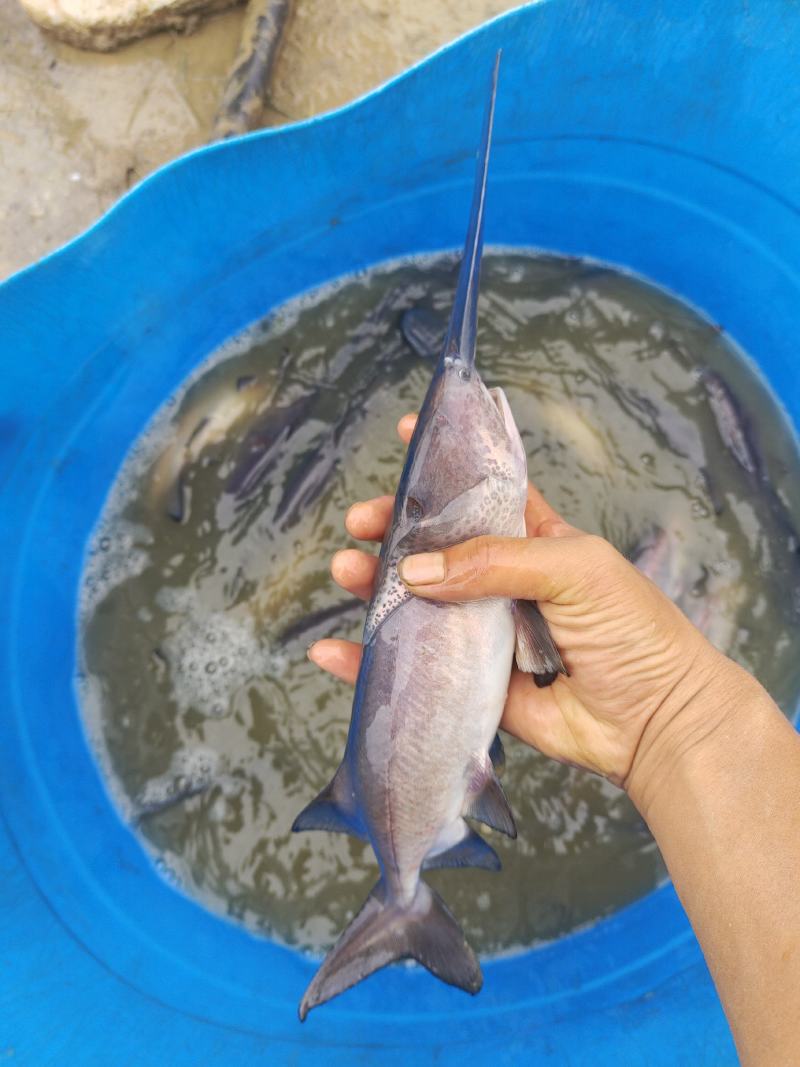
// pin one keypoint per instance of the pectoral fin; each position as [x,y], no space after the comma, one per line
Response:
[490,806]
[334,809]
[536,650]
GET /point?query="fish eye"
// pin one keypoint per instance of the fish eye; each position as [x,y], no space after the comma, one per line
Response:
[414,510]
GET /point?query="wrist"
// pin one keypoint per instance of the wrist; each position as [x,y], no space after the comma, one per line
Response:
[699,732]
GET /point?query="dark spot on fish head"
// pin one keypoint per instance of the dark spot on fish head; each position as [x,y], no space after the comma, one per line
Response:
[414,510]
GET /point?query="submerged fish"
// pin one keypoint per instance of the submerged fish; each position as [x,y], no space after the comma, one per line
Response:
[680,434]
[424,331]
[310,473]
[434,677]
[306,481]
[198,428]
[319,621]
[708,603]
[264,444]
[653,555]
[734,429]
[731,423]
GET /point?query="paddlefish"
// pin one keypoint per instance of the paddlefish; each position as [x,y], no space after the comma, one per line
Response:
[434,677]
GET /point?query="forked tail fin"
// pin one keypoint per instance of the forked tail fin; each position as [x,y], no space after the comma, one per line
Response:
[384,931]
[462,332]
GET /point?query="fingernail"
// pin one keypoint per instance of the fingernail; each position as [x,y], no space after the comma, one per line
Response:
[310,651]
[426,569]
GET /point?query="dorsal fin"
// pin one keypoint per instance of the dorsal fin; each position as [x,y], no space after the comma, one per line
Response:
[497,754]
[536,652]
[461,334]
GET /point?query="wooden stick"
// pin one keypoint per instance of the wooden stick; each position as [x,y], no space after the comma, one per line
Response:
[245,92]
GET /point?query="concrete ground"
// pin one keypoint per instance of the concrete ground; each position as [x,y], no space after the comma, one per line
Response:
[79,128]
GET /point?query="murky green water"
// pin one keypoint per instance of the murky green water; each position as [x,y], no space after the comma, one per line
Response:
[212,727]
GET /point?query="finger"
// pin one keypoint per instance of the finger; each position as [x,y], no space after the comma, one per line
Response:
[355,571]
[532,715]
[405,427]
[554,721]
[538,568]
[540,515]
[368,520]
[337,657]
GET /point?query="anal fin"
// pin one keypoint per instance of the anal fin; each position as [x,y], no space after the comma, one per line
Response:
[470,850]
[536,652]
[334,809]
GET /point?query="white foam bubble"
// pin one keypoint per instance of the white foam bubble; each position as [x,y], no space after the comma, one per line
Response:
[169,867]
[211,654]
[90,696]
[191,771]
[117,551]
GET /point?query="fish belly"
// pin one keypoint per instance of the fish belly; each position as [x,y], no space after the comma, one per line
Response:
[437,680]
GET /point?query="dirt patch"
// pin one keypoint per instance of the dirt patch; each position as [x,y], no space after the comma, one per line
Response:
[77,129]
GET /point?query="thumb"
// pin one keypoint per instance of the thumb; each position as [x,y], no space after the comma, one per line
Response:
[546,568]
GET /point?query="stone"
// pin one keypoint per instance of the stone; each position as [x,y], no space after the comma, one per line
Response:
[103,25]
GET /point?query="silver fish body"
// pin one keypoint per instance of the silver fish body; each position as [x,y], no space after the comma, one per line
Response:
[434,677]
[424,729]
[429,697]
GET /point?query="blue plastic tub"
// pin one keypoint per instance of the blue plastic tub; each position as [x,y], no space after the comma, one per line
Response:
[663,137]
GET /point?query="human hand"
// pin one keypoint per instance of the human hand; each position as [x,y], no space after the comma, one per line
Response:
[635,661]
